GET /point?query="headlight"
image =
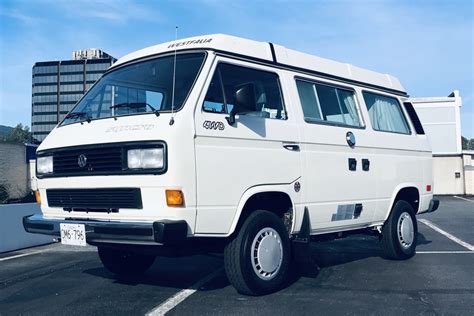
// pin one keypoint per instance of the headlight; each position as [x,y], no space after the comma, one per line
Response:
[151,158]
[44,164]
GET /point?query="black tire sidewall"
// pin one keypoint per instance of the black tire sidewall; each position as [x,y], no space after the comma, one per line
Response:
[400,208]
[260,220]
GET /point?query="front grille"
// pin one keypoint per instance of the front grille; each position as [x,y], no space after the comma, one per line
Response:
[99,159]
[95,199]
[95,160]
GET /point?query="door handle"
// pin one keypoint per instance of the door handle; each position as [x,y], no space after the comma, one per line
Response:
[352,162]
[292,147]
[365,164]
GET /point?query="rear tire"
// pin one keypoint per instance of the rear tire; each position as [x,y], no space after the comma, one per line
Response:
[399,233]
[124,263]
[257,260]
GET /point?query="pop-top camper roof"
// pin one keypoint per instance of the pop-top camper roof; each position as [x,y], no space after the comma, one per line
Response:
[272,53]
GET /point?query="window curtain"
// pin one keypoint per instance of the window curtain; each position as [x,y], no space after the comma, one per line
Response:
[385,116]
[349,103]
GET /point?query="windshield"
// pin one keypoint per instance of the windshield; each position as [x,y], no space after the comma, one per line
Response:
[144,87]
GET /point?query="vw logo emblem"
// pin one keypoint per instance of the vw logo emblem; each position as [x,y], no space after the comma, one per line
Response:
[82,160]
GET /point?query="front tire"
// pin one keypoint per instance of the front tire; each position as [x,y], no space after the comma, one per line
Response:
[124,263]
[257,260]
[399,233]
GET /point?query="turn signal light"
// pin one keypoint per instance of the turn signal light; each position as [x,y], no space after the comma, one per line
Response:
[174,198]
[38,197]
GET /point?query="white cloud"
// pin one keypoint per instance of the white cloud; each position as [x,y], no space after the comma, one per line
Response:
[20,16]
[115,11]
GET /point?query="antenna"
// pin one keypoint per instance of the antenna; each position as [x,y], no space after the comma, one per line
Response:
[174,79]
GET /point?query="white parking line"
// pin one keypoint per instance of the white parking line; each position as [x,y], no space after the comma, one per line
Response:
[446,234]
[461,198]
[444,252]
[176,299]
[24,255]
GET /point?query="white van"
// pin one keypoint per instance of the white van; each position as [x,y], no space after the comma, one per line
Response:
[218,143]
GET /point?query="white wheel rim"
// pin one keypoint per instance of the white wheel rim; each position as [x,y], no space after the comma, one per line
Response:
[267,253]
[405,230]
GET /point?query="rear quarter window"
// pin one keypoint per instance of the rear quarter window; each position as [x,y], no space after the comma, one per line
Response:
[385,113]
[414,118]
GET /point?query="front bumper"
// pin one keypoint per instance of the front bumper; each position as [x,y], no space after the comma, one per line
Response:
[164,232]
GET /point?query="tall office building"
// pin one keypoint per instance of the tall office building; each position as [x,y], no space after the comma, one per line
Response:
[58,85]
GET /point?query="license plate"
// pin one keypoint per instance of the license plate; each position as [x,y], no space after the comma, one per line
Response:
[73,234]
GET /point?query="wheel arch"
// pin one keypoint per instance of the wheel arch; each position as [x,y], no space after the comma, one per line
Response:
[408,192]
[274,198]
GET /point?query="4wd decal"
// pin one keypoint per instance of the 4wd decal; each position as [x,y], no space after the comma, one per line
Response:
[213,125]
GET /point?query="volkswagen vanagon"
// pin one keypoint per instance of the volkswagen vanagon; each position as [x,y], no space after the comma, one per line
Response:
[218,143]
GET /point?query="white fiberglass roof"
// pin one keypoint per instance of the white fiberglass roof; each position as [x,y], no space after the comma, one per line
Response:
[263,51]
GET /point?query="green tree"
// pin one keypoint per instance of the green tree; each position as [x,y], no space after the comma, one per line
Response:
[20,134]
[470,144]
[464,142]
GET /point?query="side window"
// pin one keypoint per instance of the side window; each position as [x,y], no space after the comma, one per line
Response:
[414,118]
[260,91]
[326,103]
[214,101]
[385,113]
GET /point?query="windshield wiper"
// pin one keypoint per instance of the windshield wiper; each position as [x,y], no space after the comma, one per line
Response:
[74,115]
[135,105]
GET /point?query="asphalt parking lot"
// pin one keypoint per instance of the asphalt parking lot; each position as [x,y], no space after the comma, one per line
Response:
[351,278]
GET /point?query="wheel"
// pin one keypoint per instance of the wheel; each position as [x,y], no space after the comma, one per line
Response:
[257,260]
[123,262]
[399,233]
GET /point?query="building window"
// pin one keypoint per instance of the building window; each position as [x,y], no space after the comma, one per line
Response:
[72,68]
[45,69]
[93,77]
[72,78]
[385,113]
[324,103]
[45,79]
[70,97]
[72,87]
[45,98]
[97,67]
[45,89]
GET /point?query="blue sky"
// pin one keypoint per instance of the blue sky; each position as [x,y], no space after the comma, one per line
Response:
[428,45]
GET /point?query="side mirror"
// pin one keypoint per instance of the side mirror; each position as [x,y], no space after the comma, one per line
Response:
[244,101]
